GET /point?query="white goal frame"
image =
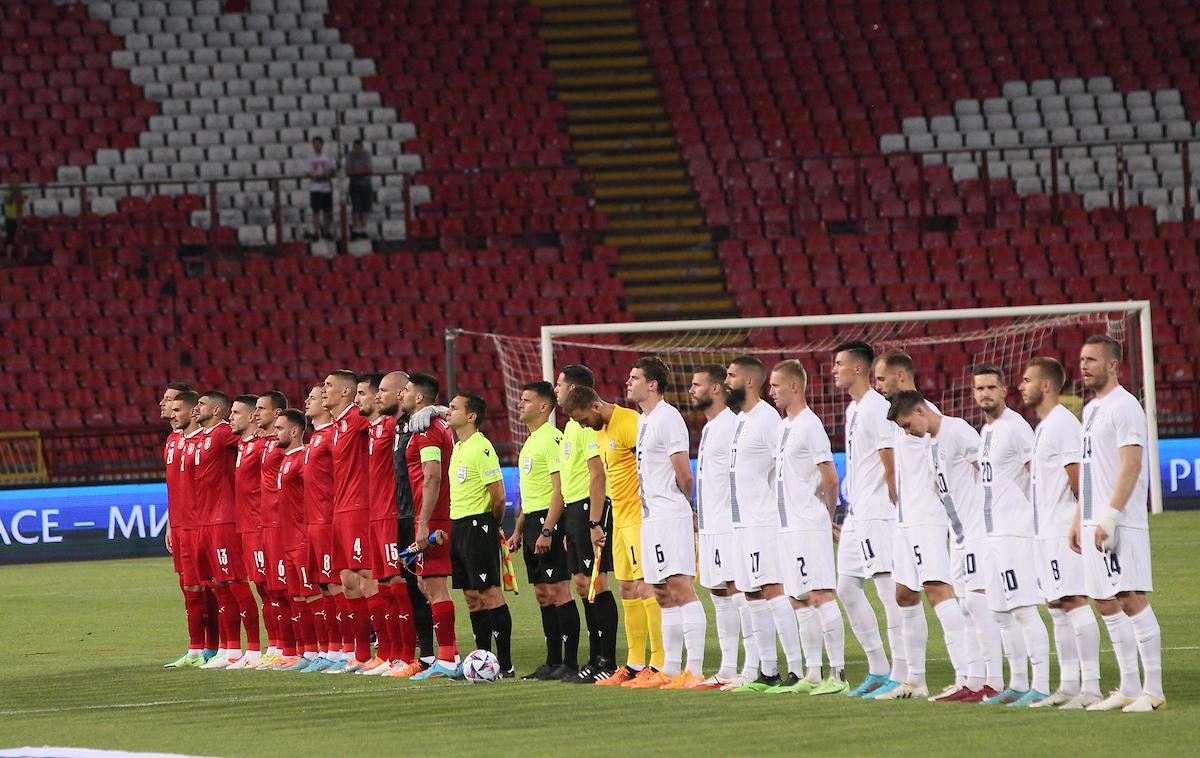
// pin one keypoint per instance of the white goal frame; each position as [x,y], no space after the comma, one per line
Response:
[1140,308]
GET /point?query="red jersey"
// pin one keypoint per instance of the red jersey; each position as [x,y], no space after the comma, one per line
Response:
[318,476]
[382,481]
[291,497]
[187,475]
[434,444]
[272,458]
[213,475]
[180,509]
[247,487]
[350,461]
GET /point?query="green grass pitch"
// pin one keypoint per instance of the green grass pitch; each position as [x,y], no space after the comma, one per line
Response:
[83,645]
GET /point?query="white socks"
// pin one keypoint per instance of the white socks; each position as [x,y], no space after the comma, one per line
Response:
[1087,641]
[1149,644]
[1067,651]
[1013,638]
[729,629]
[1124,642]
[954,631]
[1037,644]
[749,638]
[789,635]
[809,622]
[863,623]
[988,634]
[833,632]
[672,637]
[885,587]
[916,637]
[764,635]
[695,629]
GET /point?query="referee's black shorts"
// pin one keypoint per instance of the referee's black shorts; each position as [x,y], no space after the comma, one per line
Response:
[475,552]
[550,566]
[580,552]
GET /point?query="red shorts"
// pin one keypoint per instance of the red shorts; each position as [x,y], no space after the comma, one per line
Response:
[385,552]
[435,561]
[220,554]
[320,553]
[254,556]
[277,562]
[185,544]
[301,581]
[350,541]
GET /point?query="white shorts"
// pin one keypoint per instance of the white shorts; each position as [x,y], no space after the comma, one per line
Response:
[717,560]
[1126,569]
[922,555]
[865,547]
[1012,581]
[668,548]
[1060,569]
[806,558]
[970,567]
[756,557]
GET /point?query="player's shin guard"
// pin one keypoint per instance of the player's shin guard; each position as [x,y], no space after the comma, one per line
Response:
[672,634]
[604,610]
[553,634]
[728,629]
[809,624]
[267,617]
[954,631]
[635,631]
[360,622]
[1037,644]
[248,610]
[568,624]
[481,628]
[589,617]
[695,630]
[502,631]
[764,633]
[654,629]
[863,623]
[283,621]
[306,633]
[195,604]
[988,634]
[1149,644]
[916,638]
[784,620]
[749,638]
[833,632]
[333,625]
[320,631]
[443,629]
[1013,638]
[885,587]
[422,617]
[212,627]
[345,627]
[377,618]
[405,629]
[1087,641]
[1124,642]
[1067,652]
[227,614]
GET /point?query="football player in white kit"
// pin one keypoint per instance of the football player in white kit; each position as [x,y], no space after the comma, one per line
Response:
[714,522]
[756,527]
[1054,488]
[921,559]
[668,529]
[1111,529]
[806,487]
[954,450]
[865,546]
[1008,517]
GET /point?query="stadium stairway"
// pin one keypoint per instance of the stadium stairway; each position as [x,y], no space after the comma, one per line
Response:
[621,135]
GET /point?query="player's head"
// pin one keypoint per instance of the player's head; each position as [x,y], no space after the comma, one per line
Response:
[270,404]
[338,390]
[649,378]
[1044,377]
[314,406]
[745,378]
[173,389]
[574,375]
[787,383]
[181,409]
[909,411]
[536,403]
[241,414]
[893,372]
[852,363]
[989,388]
[212,407]
[582,404]
[289,428]
[390,388]
[467,412]
[708,387]
[420,391]
[366,388]
[1099,361]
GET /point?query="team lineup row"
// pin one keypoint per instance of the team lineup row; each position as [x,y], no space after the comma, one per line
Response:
[989,526]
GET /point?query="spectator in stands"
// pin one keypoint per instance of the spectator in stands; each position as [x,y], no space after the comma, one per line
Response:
[358,168]
[320,190]
[14,210]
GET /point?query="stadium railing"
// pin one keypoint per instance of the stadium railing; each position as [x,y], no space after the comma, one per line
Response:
[21,459]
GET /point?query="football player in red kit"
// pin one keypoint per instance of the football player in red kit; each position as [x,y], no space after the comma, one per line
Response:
[247,501]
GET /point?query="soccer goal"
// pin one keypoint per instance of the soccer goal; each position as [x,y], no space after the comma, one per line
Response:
[944,344]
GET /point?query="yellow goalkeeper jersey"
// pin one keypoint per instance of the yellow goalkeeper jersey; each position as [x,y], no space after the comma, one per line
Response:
[618,440]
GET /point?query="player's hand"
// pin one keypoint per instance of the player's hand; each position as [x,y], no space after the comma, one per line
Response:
[1073,539]
[422,540]
[598,537]
[837,533]
[421,420]
[167,539]
[542,546]
[514,542]
[1099,538]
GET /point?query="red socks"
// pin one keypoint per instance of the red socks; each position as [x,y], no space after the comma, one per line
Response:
[360,618]
[283,621]
[377,608]
[345,626]
[194,602]
[333,634]
[306,635]
[404,633]
[443,629]
[248,612]
[227,617]
[267,615]
[212,631]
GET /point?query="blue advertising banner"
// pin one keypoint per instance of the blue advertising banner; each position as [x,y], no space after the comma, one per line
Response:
[128,520]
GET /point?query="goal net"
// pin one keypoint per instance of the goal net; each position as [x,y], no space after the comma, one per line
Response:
[944,345]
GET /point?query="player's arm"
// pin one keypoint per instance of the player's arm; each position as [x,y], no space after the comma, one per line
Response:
[829,488]
[596,482]
[552,515]
[167,537]
[496,491]
[1073,535]
[431,488]
[1131,468]
[685,480]
[1072,470]
[888,456]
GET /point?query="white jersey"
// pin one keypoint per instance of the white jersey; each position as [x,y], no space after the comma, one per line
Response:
[917,500]
[1055,446]
[752,467]
[954,452]
[1109,424]
[803,445]
[661,433]
[712,474]
[867,432]
[1006,447]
